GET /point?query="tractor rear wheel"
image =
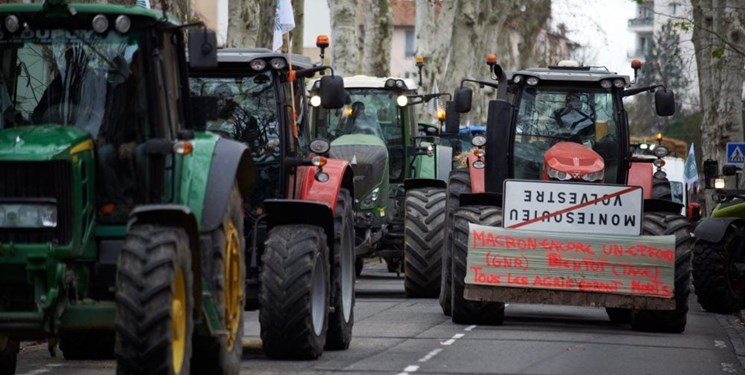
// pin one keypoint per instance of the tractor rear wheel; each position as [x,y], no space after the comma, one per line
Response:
[294,295]
[669,321]
[459,182]
[225,275]
[341,320]
[463,310]
[154,302]
[717,280]
[8,355]
[424,232]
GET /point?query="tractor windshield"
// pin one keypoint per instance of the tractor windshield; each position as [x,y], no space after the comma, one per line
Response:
[72,77]
[369,111]
[548,115]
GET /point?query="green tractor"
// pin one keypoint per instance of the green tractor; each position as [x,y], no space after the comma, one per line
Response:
[400,172]
[299,218]
[121,226]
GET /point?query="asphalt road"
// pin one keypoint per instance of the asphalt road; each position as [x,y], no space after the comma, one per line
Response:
[396,335]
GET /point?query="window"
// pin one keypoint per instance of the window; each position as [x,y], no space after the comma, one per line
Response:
[410,39]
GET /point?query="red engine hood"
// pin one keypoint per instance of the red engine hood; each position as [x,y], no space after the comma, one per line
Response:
[573,158]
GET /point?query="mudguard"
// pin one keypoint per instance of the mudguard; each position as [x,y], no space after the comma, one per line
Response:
[176,216]
[231,161]
[307,188]
[713,228]
[292,211]
[416,183]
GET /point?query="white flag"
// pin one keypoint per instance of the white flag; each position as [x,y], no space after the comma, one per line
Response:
[284,21]
[690,171]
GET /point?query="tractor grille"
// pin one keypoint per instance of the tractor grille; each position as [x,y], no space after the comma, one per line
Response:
[48,179]
[368,164]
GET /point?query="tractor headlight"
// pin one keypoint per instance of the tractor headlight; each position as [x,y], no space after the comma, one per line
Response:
[257,64]
[659,175]
[122,24]
[100,23]
[660,151]
[478,140]
[618,82]
[719,183]
[606,84]
[532,81]
[557,174]
[315,100]
[594,176]
[11,23]
[371,199]
[402,100]
[28,215]
[278,63]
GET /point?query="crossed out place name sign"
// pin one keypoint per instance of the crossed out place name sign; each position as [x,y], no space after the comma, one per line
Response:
[632,265]
[573,207]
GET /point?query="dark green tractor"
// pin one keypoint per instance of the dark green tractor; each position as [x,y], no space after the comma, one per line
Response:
[121,226]
[399,168]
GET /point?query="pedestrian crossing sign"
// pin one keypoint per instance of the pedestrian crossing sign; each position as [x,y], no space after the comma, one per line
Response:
[735,153]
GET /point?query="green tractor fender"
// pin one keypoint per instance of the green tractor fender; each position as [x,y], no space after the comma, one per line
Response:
[713,228]
[231,162]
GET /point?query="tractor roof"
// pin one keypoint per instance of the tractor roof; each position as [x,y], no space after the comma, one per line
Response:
[574,74]
[362,81]
[246,55]
[129,10]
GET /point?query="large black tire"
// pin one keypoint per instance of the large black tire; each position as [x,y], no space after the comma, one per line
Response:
[87,345]
[661,189]
[224,268]
[459,182]
[719,285]
[294,295]
[154,302]
[424,233]
[463,310]
[669,321]
[8,355]
[341,318]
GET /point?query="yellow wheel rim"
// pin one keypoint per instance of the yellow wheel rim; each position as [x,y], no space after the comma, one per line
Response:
[233,292]
[178,321]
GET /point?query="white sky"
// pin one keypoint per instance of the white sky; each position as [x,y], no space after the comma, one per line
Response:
[600,24]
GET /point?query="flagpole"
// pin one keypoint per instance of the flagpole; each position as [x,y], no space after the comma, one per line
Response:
[292,86]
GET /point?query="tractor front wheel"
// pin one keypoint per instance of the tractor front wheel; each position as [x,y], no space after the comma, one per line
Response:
[459,181]
[669,321]
[424,233]
[718,277]
[294,295]
[8,355]
[463,310]
[154,302]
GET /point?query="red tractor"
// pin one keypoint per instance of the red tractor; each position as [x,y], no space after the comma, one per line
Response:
[553,209]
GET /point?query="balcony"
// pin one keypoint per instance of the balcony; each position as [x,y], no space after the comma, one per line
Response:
[644,24]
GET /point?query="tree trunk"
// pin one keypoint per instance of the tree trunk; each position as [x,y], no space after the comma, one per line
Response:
[720,70]
[344,37]
[250,23]
[298,7]
[378,33]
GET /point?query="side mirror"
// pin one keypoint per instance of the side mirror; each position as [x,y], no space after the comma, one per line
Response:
[452,118]
[202,49]
[203,109]
[462,99]
[664,102]
[332,92]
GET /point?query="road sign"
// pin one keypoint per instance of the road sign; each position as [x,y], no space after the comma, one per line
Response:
[735,153]
[573,207]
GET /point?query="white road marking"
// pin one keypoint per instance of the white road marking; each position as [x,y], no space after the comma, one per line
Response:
[719,344]
[458,335]
[430,355]
[469,328]
[452,340]
[411,368]
[728,367]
